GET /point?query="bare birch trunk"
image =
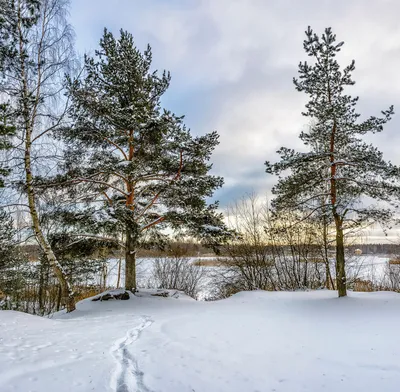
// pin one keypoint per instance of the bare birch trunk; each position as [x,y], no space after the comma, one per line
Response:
[119,272]
[66,290]
[29,117]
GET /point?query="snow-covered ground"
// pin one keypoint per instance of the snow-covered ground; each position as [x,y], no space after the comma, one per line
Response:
[368,267]
[254,341]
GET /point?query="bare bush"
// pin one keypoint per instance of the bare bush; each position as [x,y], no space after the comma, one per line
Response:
[177,273]
[268,254]
[391,280]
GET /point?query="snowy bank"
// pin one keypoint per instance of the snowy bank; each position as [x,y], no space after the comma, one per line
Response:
[254,341]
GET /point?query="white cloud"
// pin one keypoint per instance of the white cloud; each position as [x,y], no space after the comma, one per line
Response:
[241,55]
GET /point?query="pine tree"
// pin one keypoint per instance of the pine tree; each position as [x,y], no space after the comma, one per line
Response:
[7,249]
[134,165]
[7,130]
[340,171]
[7,53]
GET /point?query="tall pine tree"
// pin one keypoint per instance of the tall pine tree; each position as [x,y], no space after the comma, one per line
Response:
[340,171]
[134,168]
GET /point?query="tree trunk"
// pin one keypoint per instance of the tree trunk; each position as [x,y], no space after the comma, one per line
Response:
[340,261]
[305,274]
[41,288]
[29,116]
[130,261]
[59,293]
[67,293]
[119,273]
[329,281]
[328,278]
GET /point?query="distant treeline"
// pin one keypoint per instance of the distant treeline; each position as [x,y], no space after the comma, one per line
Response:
[376,249]
[189,249]
[192,249]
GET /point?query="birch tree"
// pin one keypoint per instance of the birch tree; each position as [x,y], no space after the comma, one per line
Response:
[39,50]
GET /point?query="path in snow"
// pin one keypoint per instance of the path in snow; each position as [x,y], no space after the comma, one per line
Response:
[127,376]
[255,341]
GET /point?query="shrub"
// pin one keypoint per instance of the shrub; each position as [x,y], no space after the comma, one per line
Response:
[177,273]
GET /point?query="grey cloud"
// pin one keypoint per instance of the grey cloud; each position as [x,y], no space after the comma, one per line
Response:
[232,63]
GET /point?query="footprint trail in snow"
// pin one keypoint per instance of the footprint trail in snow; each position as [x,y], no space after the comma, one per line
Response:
[127,377]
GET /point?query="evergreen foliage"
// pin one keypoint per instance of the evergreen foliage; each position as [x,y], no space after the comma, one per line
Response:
[6,239]
[340,170]
[7,130]
[135,166]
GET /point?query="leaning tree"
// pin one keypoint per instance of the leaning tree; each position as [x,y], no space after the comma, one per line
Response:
[36,50]
[340,173]
[134,170]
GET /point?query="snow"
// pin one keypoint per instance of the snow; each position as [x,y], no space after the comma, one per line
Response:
[253,341]
[212,228]
[368,267]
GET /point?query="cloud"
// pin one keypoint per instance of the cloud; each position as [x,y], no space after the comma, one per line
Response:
[232,63]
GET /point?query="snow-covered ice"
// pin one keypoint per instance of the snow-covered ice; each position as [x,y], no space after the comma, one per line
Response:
[254,341]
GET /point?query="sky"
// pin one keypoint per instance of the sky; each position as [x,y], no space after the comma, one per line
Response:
[232,63]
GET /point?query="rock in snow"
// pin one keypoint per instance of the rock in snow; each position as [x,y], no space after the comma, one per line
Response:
[112,294]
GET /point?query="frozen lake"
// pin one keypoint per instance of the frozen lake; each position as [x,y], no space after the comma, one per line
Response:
[365,267]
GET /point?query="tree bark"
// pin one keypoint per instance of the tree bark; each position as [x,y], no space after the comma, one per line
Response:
[329,281]
[41,288]
[59,293]
[340,261]
[130,260]
[340,271]
[328,278]
[119,273]
[29,120]
[67,293]
[29,117]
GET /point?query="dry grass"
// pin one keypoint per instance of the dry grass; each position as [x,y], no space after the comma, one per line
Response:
[394,261]
[84,293]
[365,286]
